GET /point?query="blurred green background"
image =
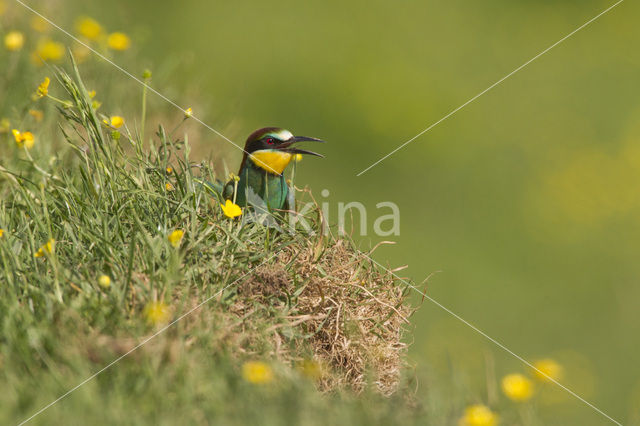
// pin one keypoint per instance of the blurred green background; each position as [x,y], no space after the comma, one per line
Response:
[526,201]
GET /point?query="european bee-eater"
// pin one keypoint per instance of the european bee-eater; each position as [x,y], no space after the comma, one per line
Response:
[267,153]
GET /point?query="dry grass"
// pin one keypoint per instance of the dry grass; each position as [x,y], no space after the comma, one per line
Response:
[349,316]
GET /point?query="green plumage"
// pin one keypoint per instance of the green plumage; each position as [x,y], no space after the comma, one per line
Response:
[272,189]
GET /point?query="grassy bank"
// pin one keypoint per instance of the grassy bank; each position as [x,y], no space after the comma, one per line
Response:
[113,250]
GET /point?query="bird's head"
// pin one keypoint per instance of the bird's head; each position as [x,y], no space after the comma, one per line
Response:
[271,149]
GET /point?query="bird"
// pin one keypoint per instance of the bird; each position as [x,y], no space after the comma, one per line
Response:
[260,181]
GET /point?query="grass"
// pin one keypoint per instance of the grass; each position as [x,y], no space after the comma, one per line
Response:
[321,317]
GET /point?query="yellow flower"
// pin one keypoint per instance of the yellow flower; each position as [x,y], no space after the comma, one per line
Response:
[188,113]
[257,372]
[89,28]
[169,170]
[115,121]
[14,41]
[297,157]
[49,247]
[36,114]
[1,232]
[104,281]
[43,88]
[157,313]
[175,237]
[39,24]
[547,370]
[48,50]
[23,139]
[169,187]
[517,387]
[118,41]
[478,415]
[230,209]
[92,94]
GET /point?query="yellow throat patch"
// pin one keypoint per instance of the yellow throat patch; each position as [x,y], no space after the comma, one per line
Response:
[271,161]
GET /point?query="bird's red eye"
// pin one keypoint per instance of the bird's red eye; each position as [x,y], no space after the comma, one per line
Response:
[270,141]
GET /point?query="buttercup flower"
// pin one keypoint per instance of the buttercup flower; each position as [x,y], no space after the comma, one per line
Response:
[547,370]
[478,415]
[517,387]
[118,41]
[23,139]
[188,113]
[104,281]
[297,157]
[157,313]
[1,232]
[49,247]
[43,88]
[230,209]
[13,41]
[89,28]
[169,187]
[257,372]
[169,170]
[48,50]
[175,237]
[115,121]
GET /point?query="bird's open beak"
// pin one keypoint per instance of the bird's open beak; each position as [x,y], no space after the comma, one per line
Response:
[286,146]
[306,139]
